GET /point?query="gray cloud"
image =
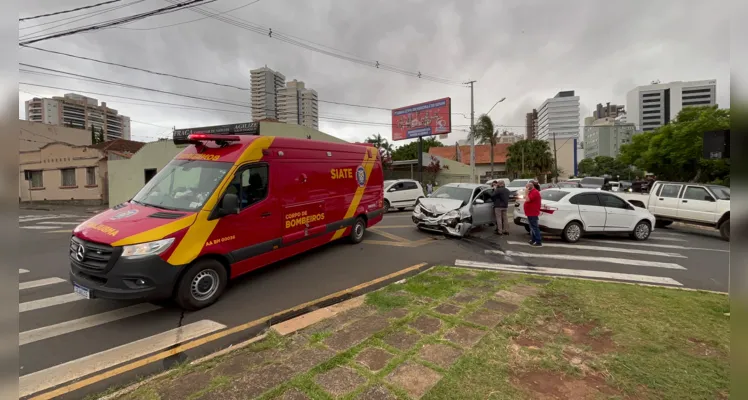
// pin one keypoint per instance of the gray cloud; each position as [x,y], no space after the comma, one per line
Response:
[520,49]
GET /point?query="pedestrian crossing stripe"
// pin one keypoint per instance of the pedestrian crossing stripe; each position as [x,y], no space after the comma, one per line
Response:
[603,248]
[610,260]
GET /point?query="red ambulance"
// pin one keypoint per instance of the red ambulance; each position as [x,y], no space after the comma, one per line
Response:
[226,205]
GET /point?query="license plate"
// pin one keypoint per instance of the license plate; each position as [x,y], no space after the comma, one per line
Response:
[81,291]
[523,220]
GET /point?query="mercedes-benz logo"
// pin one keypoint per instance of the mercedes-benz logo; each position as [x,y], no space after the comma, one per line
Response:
[80,253]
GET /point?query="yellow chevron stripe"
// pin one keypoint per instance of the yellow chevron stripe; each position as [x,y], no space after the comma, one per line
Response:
[368,164]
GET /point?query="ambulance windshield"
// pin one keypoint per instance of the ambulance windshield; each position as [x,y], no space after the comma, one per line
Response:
[183,185]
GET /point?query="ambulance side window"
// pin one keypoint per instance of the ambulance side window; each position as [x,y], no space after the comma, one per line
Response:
[252,185]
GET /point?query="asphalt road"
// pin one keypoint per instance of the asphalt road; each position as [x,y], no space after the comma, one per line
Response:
[88,336]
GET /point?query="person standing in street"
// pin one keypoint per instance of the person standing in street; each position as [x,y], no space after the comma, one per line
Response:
[532,211]
[429,188]
[500,199]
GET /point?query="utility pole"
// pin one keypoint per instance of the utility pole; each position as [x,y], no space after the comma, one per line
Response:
[523,160]
[472,133]
[555,159]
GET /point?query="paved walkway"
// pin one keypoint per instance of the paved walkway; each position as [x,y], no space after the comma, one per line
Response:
[362,353]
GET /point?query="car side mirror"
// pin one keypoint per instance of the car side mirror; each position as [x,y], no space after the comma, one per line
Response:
[230,204]
[479,201]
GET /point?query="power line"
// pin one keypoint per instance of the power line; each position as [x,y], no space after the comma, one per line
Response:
[184,78]
[246,25]
[111,23]
[190,21]
[69,11]
[78,18]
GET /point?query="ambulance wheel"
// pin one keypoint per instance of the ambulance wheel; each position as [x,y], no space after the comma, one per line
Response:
[201,285]
[357,231]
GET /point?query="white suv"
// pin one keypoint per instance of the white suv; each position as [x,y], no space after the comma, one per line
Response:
[401,193]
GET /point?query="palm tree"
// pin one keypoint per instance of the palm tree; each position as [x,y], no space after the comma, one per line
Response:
[381,143]
[484,133]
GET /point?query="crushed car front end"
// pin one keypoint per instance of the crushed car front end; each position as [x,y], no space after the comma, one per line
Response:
[447,217]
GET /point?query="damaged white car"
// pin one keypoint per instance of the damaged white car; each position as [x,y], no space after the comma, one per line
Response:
[455,208]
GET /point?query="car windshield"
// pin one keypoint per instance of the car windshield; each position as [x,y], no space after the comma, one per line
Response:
[183,185]
[722,192]
[553,195]
[518,183]
[453,192]
[388,183]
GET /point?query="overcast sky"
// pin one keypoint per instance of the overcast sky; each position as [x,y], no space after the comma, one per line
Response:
[524,50]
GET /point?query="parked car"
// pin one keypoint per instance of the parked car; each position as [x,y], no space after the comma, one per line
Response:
[455,208]
[596,182]
[544,186]
[691,203]
[572,213]
[402,193]
[572,183]
[517,188]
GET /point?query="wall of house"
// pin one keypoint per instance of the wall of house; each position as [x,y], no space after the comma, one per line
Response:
[34,135]
[127,176]
[50,161]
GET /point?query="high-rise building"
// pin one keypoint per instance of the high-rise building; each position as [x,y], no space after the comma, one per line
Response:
[652,106]
[559,117]
[509,138]
[77,111]
[531,124]
[265,86]
[605,136]
[298,105]
[608,111]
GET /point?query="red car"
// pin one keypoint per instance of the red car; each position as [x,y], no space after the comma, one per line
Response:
[226,205]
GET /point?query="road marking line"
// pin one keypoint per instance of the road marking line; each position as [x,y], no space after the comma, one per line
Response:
[40,282]
[664,246]
[80,367]
[59,223]
[640,263]
[571,272]
[91,321]
[60,231]
[601,248]
[48,302]
[667,239]
[395,226]
[213,337]
[43,217]
[40,227]
[389,235]
[23,271]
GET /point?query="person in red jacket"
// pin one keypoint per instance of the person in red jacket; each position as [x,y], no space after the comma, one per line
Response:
[532,211]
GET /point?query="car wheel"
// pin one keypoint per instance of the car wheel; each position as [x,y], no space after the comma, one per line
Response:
[641,230]
[659,223]
[357,231]
[387,205]
[724,230]
[201,285]
[572,232]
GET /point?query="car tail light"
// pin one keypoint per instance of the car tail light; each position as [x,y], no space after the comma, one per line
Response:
[548,209]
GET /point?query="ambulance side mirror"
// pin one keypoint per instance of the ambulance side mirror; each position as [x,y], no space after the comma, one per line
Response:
[230,204]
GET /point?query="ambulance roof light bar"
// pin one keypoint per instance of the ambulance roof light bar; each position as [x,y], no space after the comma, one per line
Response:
[197,137]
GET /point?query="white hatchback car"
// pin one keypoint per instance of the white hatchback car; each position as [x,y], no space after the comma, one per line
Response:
[574,212]
[402,193]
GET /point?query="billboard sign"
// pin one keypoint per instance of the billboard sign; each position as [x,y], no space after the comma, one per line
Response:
[425,119]
[244,128]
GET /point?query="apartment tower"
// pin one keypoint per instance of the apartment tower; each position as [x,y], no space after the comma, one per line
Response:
[81,112]
[652,106]
[298,105]
[265,86]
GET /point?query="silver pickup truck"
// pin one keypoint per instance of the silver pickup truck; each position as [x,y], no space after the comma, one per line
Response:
[690,203]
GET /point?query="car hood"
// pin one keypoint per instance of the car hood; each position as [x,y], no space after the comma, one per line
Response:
[123,224]
[440,206]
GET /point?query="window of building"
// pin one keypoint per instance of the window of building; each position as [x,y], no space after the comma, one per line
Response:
[649,117]
[36,181]
[68,177]
[90,176]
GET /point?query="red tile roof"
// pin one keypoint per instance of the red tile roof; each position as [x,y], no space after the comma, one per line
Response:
[482,153]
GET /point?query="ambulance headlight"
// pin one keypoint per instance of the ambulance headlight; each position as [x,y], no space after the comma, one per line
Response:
[146,249]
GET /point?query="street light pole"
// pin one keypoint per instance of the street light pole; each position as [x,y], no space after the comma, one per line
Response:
[472,133]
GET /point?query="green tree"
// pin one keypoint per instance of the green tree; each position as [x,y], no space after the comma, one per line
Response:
[484,133]
[384,147]
[529,158]
[409,151]
[587,167]
[674,151]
